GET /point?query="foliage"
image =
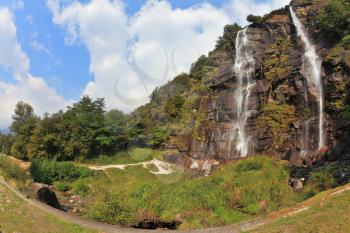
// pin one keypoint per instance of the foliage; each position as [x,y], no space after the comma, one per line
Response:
[173,106]
[49,171]
[83,131]
[201,67]
[111,208]
[254,18]
[323,178]
[5,143]
[80,188]
[333,21]
[24,122]
[62,186]
[276,60]
[227,41]
[276,119]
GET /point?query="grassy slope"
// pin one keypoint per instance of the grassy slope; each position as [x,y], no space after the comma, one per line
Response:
[17,216]
[327,213]
[235,192]
[134,155]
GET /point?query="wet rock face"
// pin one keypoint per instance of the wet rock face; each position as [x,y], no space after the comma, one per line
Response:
[279,86]
[48,197]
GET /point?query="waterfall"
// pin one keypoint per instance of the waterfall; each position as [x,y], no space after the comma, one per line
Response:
[312,66]
[244,69]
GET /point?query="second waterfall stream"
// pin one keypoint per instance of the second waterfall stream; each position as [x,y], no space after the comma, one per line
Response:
[244,69]
[312,67]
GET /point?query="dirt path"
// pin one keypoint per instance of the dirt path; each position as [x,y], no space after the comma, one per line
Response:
[163,167]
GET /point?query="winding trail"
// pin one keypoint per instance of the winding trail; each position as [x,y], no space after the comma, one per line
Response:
[163,167]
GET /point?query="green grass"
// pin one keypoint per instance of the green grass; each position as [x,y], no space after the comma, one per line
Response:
[329,214]
[11,172]
[235,192]
[134,155]
[17,216]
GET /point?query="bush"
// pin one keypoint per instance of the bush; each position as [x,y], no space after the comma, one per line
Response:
[228,39]
[173,106]
[62,186]
[323,179]
[111,208]
[49,171]
[254,19]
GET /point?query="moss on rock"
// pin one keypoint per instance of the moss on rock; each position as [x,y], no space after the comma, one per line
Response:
[277,119]
[276,60]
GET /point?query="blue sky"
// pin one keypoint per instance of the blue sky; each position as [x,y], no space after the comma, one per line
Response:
[75,48]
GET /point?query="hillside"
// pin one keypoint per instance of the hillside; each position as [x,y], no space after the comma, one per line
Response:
[326,212]
[18,216]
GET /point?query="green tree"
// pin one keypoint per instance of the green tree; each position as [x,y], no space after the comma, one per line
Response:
[24,122]
[5,143]
[84,121]
[334,20]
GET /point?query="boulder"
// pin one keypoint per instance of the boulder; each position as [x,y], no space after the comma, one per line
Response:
[48,197]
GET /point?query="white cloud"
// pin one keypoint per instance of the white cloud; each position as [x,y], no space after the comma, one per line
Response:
[240,9]
[33,90]
[130,56]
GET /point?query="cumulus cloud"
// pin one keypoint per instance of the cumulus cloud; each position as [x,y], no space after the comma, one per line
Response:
[33,90]
[130,56]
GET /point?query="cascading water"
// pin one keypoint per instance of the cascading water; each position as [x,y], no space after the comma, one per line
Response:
[312,67]
[244,69]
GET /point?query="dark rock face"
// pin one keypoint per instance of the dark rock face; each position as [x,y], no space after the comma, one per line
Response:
[48,197]
[280,87]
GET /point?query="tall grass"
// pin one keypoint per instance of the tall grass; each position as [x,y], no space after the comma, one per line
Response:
[234,192]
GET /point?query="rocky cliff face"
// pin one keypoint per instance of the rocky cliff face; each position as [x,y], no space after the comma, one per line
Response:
[281,122]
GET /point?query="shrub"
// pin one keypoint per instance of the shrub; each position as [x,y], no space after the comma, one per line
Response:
[202,66]
[62,186]
[173,106]
[254,18]
[323,178]
[81,188]
[111,208]
[228,39]
[49,171]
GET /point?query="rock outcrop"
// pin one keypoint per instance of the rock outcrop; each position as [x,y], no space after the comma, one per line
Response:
[280,120]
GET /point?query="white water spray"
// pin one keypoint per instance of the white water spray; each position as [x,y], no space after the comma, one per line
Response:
[312,66]
[244,69]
